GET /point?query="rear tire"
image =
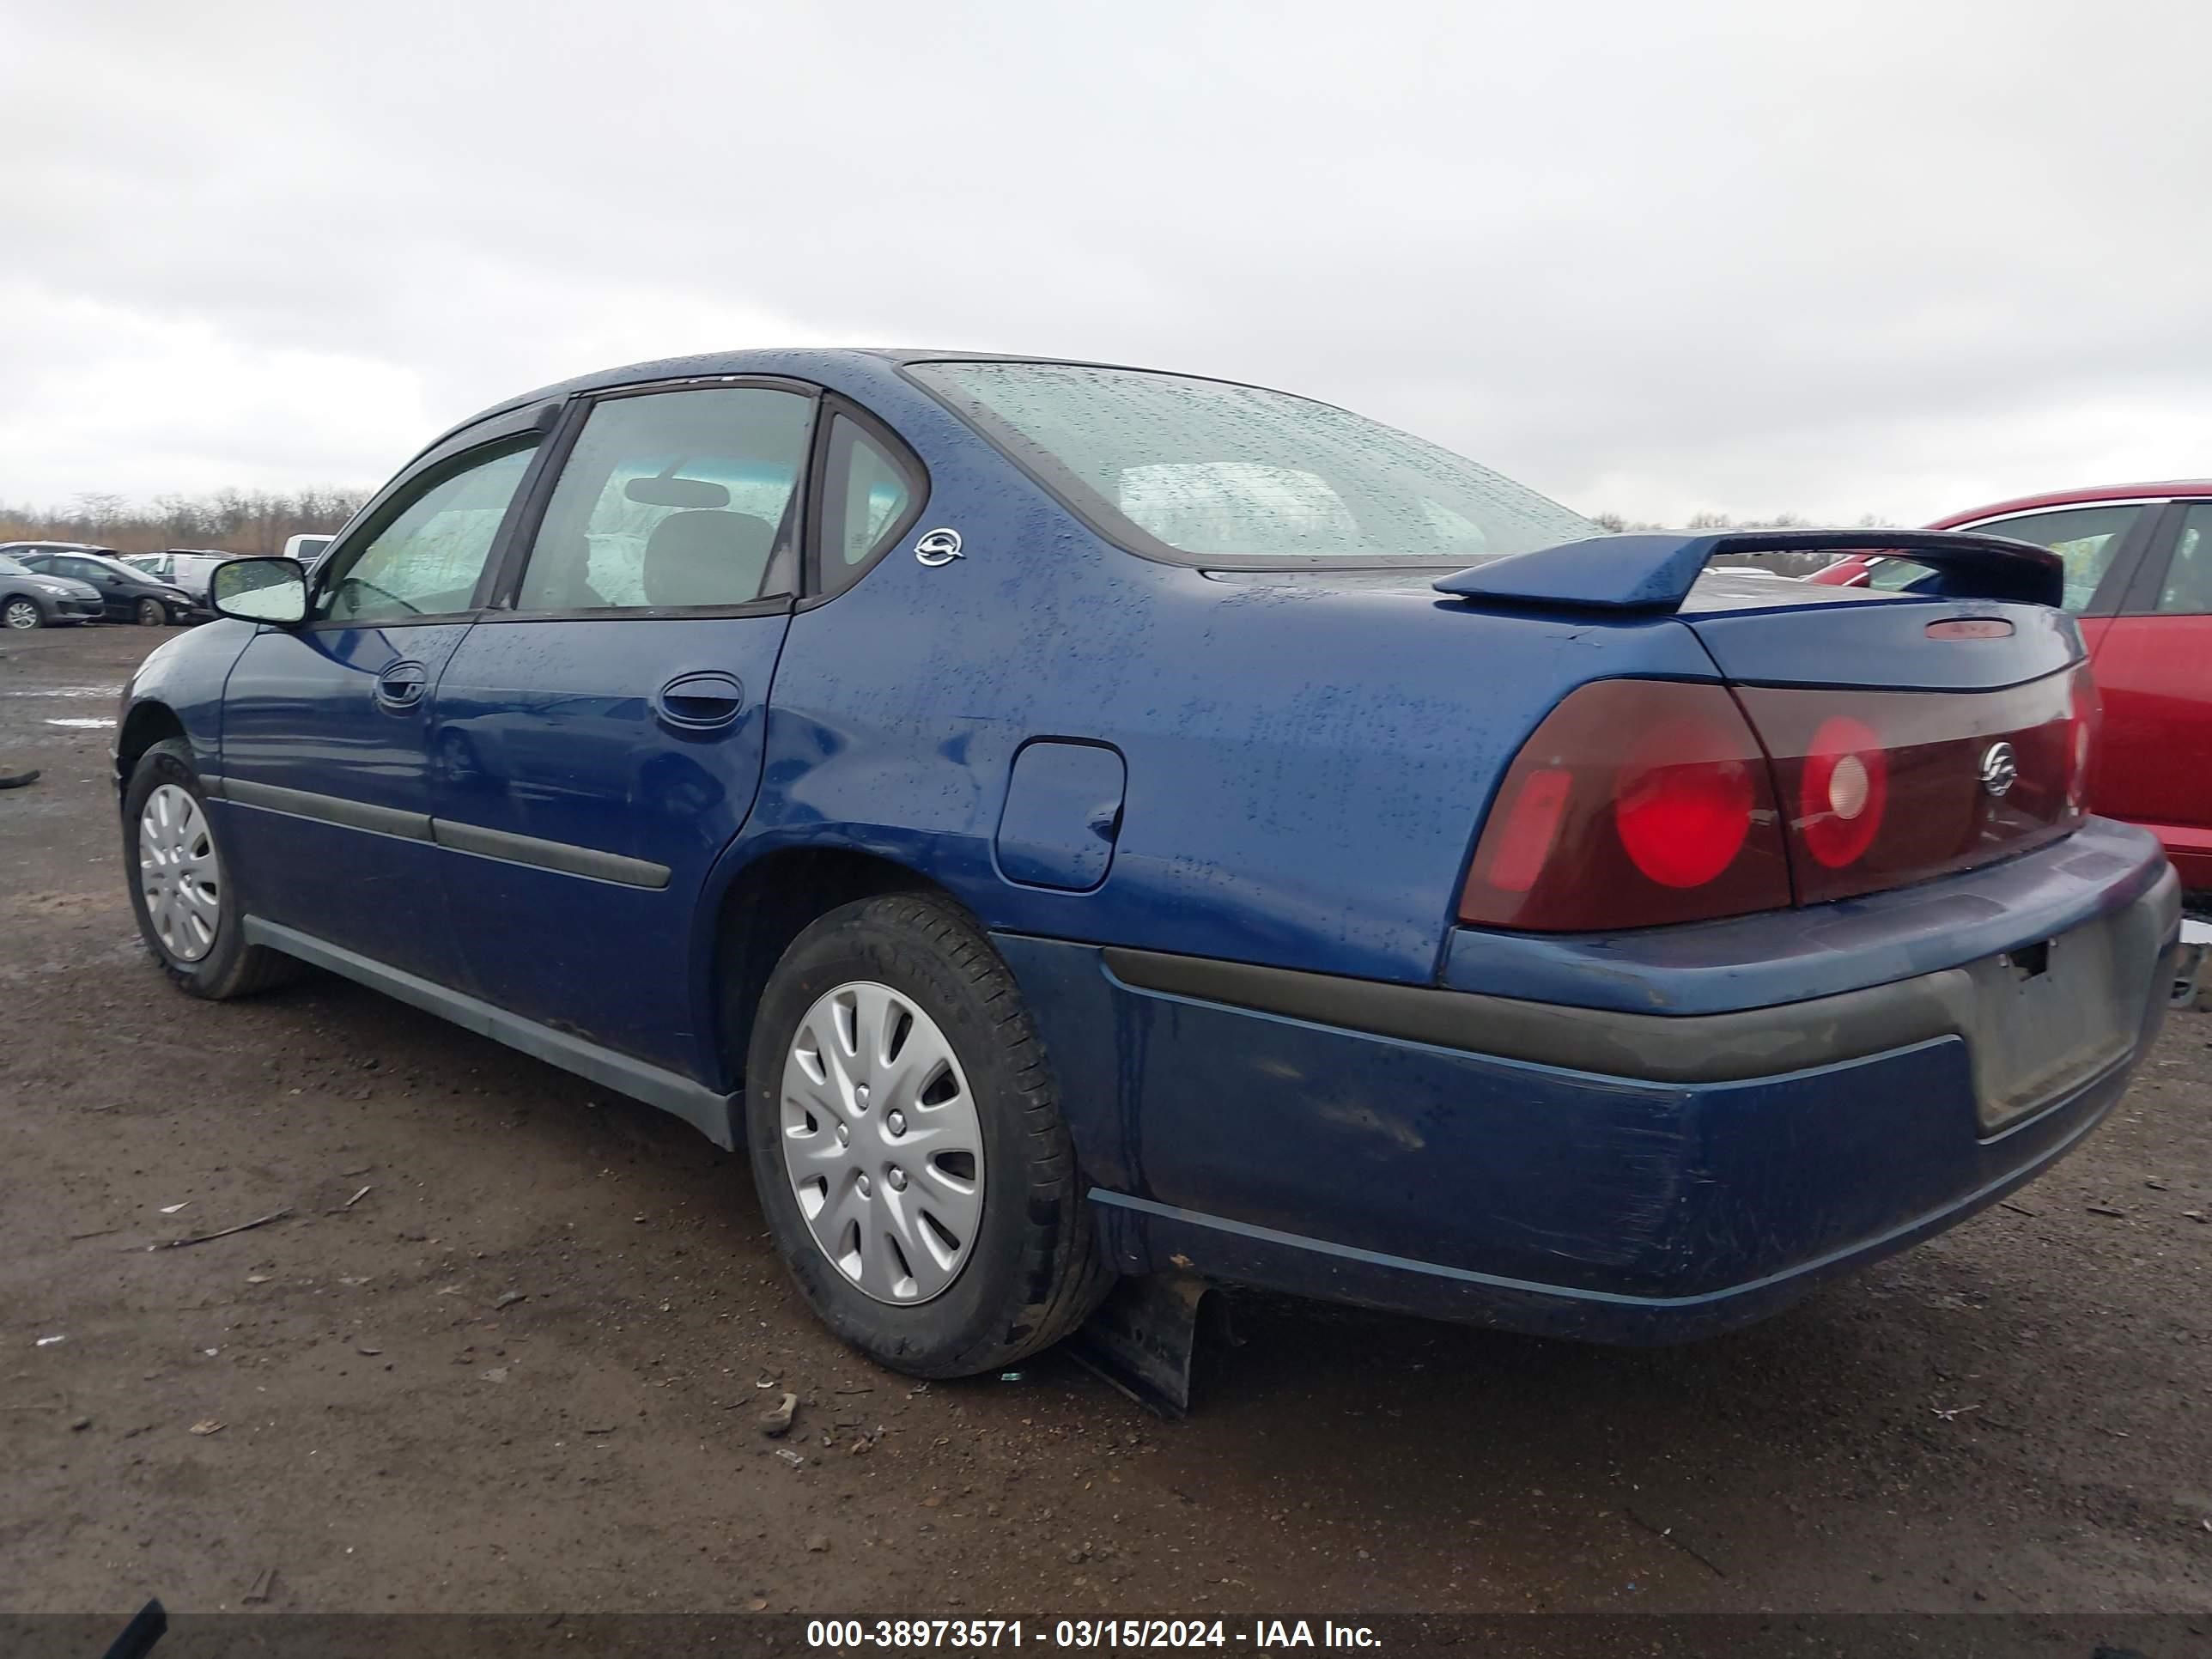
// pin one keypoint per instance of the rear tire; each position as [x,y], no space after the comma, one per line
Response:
[228,966]
[22,613]
[152,613]
[1030,1269]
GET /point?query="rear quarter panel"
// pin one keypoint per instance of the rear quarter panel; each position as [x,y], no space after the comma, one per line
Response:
[1307,761]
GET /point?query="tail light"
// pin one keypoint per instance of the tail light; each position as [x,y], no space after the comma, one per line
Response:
[1843,791]
[1951,779]
[1635,803]
[1638,803]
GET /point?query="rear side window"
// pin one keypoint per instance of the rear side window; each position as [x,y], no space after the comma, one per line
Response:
[2087,537]
[426,560]
[673,499]
[869,496]
[2187,590]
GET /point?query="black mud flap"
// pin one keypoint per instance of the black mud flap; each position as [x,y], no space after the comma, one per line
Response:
[1144,1338]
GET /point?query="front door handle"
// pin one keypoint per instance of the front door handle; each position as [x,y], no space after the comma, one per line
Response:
[699,701]
[401,686]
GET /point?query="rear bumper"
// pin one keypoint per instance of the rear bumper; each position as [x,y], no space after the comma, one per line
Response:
[1580,1171]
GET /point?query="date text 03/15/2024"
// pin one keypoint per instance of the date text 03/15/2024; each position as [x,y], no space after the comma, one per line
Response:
[1261,1635]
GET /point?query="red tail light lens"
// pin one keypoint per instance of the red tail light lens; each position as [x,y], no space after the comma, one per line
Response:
[1843,792]
[1682,822]
[1531,826]
[2088,719]
[1637,803]
[1951,779]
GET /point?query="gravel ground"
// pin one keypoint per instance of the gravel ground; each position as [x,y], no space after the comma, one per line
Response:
[2013,1418]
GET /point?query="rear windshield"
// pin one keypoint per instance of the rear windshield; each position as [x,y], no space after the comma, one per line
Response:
[1211,472]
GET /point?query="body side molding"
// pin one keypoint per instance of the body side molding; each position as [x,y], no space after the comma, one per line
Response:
[564,856]
[328,809]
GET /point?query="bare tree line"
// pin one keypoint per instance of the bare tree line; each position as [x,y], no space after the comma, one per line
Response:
[1787,564]
[228,520]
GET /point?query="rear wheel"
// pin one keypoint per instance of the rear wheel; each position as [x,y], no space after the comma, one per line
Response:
[181,889]
[152,613]
[906,1142]
[22,613]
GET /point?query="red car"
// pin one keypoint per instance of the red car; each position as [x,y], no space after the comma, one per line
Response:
[2139,579]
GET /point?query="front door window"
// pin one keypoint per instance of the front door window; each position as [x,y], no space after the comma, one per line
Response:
[426,558]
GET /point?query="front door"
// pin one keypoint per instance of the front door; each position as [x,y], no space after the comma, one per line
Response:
[598,732]
[326,785]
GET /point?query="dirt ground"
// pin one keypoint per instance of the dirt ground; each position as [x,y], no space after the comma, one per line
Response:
[2017,1416]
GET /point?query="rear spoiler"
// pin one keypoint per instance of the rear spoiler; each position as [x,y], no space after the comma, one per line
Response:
[1655,572]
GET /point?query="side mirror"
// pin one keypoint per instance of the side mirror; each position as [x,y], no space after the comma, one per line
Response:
[259,590]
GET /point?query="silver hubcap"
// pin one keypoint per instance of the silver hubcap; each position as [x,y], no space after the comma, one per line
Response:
[22,613]
[178,872]
[882,1143]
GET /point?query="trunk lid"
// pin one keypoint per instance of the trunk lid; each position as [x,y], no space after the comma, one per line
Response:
[1891,641]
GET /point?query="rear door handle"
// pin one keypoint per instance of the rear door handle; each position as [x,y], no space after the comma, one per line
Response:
[699,701]
[401,686]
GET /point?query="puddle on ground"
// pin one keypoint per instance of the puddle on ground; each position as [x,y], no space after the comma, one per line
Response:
[95,724]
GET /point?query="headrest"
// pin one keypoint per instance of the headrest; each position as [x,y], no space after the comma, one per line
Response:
[706,558]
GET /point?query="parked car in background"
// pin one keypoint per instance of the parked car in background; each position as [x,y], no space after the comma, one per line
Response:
[125,595]
[2139,580]
[30,600]
[24,550]
[184,567]
[308,550]
[1067,821]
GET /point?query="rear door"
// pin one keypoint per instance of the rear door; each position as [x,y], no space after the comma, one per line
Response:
[2154,666]
[325,754]
[599,733]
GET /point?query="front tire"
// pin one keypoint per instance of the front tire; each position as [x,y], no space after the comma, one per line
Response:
[181,889]
[152,613]
[907,1146]
[22,613]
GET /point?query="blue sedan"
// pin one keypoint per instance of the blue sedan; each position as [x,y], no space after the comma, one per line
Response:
[1066,822]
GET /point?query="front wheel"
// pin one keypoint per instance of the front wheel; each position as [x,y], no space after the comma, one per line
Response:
[907,1146]
[152,613]
[181,887]
[22,613]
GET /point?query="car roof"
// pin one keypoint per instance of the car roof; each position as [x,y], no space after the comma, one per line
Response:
[804,362]
[2087,496]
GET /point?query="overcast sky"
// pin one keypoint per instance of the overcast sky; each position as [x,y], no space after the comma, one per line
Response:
[1742,255]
